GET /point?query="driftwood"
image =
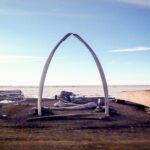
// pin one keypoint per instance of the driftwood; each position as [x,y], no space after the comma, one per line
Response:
[83,116]
[65,95]
[90,105]
[83,100]
[67,102]
[73,99]
[64,104]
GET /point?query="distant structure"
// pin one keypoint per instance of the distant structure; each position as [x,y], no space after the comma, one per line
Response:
[99,66]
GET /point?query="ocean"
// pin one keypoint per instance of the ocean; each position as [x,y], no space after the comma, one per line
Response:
[51,91]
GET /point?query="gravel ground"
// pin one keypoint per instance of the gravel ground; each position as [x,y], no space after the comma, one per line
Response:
[128,129]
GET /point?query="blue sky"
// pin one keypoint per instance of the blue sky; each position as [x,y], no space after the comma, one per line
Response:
[117,30]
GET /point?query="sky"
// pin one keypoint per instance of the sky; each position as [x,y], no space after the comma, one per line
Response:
[117,30]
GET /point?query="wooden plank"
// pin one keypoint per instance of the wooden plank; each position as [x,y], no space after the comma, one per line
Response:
[55,117]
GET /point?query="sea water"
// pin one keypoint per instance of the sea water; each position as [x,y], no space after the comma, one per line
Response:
[94,90]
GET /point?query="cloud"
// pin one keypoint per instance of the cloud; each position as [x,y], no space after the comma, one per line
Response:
[135,49]
[25,13]
[12,58]
[13,12]
[143,3]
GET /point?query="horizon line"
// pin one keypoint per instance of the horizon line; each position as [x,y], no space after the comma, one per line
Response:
[74,85]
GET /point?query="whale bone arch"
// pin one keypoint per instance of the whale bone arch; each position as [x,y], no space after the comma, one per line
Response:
[98,64]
